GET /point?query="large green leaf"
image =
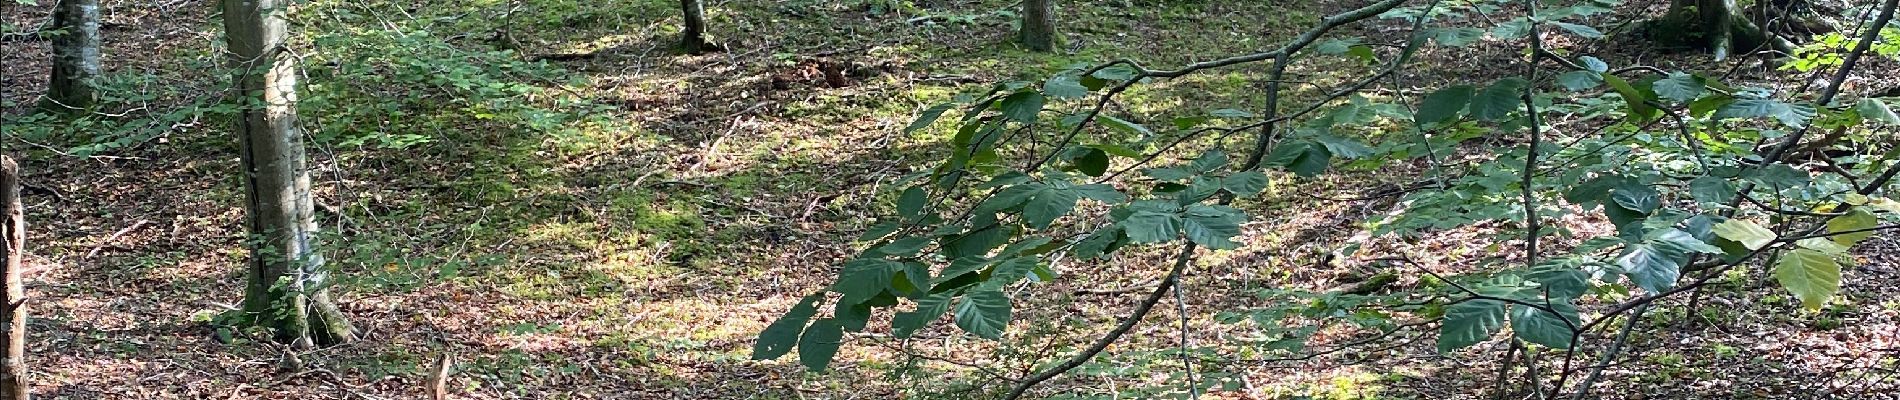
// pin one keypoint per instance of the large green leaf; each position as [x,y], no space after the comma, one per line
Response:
[1151,227]
[1245,184]
[1680,87]
[1213,226]
[1640,109]
[928,117]
[1049,204]
[1856,219]
[819,344]
[911,203]
[1496,102]
[1747,233]
[1539,326]
[1579,80]
[1442,105]
[1468,323]
[1653,268]
[1093,162]
[1305,159]
[1637,197]
[928,309]
[1789,114]
[863,278]
[1099,243]
[1064,87]
[1124,125]
[1811,275]
[1010,197]
[984,313]
[779,337]
[1876,111]
[1022,106]
[1100,192]
[1710,189]
[1560,283]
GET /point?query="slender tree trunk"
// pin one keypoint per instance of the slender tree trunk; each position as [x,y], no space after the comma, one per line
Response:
[13,384]
[75,55]
[1038,30]
[693,40]
[287,284]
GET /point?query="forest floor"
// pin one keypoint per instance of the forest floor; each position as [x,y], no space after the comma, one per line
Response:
[617,220]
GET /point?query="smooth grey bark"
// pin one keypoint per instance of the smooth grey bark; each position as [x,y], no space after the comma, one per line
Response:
[1038,29]
[693,40]
[13,384]
[287,285]
[75,55]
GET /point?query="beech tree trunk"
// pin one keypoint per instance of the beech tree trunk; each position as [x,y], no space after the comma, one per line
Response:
[13,384]
[1038,30]
[693,40]
[287,286]
[75,55]
[1720,24]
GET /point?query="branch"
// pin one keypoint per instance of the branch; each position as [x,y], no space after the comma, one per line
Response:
[1181,262]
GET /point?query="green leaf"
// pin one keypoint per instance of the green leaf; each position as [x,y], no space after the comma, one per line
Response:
[901,247]
[1302,158]
[928,309]
[1209,161]
[1048,205]
[1022,106]
[819,344]
[1789,114]
[1684,242]
[984,313]
[1064,87]
[929,116]
[1581,30]
[1750,235]
[1778,176]
[1709,189]
[1560,283]
[911,203]
[1168,174]
[1640,109]
[863,278]
[779,337]
[1442,105]
[1151,227]
[1535,325]
[1456,37]
[1811,275]
[1594,64]
[1010,197]
[1579,80]
[1097,244]
[1680,87]
[1213,226]
[1343,146]
[1497,101]
[1245,184]
[1822,245]
[879,231]
[1363,52]
[1637,197]
[1101,192]
[1094,162]
[1856,219]
[1124,126]
[1876,111]
[1650,267]
[1469,322]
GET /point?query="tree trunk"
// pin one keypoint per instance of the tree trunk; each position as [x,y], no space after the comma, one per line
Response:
[1038,30]
[1719,24]
[13,384]
[75,55]
[287,284]
[693,40]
